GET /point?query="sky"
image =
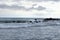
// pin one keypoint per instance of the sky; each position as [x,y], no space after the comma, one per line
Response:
[30,8]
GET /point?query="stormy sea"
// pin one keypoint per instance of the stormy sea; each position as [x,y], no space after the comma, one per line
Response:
[29,29]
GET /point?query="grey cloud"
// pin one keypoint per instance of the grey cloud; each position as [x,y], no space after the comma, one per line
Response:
[3,6]
[12,0]
[32,0]
[43,0]
[1,0]
[16,7]
[40,8]
[17,0]
[37,8]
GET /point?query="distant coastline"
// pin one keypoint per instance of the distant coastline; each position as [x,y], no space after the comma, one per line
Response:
[25,20]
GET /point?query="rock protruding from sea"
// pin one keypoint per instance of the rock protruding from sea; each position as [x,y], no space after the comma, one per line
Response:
[51,19]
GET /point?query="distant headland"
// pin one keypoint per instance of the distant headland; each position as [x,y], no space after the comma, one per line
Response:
[51,19]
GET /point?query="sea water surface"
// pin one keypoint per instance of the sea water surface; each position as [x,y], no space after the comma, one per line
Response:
[30,31]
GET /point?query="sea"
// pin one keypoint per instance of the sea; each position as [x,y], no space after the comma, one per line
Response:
[41,30]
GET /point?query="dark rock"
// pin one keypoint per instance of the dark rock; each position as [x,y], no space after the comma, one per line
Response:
[51,19]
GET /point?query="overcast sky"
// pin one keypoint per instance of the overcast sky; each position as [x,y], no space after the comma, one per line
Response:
[30,8]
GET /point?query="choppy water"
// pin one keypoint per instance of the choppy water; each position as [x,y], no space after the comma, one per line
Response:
[28,31]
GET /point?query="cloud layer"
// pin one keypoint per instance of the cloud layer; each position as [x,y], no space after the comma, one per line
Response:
[43,0]
[17,7]
[30,8]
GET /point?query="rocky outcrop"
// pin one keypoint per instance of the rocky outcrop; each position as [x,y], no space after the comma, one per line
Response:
[51,19]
